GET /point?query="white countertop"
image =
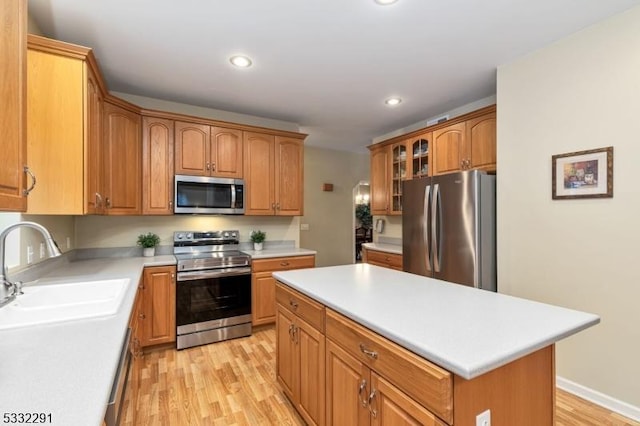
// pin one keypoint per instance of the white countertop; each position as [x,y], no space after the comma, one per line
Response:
[388,248]
[279,252]
[464,330]
[67,369]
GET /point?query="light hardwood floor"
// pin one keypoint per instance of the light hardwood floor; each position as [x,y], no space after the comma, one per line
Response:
[233,383]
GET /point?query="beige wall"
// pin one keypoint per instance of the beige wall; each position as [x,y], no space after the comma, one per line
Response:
[106,231]
[330,215]
[580,93]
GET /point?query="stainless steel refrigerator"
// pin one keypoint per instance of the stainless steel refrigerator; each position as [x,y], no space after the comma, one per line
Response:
[449,228]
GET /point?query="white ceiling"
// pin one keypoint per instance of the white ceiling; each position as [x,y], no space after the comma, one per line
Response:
[327,65]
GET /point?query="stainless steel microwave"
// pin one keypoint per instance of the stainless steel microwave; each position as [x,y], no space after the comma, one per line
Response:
[208,195]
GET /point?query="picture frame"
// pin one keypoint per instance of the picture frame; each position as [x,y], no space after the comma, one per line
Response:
[582,174]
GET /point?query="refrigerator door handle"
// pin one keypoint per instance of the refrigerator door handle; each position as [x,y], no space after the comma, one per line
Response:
[426,234]
[436,218]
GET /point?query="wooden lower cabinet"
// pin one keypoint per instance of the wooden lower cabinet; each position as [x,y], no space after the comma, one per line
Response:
[384,259]
[300,365]
[370,380]
[263,285]
[158,306]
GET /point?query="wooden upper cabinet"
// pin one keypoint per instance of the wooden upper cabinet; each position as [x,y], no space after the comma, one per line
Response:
[55,132]
[203,150]
[94,201]
[192,149]
[13,97]
[157,166]
[65,129]
[449,148]
[289,176]
[259,167]
[226,152]
[481,142]
[379,184]
[122,161]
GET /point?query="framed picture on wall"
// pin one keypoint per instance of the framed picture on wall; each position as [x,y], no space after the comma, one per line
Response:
[584,174]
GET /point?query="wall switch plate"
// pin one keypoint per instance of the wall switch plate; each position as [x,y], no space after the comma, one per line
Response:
[41,250]
[304,226]
[484,418]
[68,242]
[29,255]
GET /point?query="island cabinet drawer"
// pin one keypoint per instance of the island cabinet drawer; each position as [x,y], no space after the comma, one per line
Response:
[426,383]
[388,260]
[296,302]
[283,263]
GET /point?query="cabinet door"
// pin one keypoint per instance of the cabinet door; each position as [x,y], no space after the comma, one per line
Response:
[159,305]
[226,152]
[258,174]
[481,142]
[289,176]
[310,345]
[94,201]
[448,149]
[286,359]
[192,149]
[13,98]
[391,407]
[380,181]
[55,133]
[263,305]
[347,388]
[157,166]
[400,170]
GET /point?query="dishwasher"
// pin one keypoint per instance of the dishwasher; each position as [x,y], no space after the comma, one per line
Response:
[116,398]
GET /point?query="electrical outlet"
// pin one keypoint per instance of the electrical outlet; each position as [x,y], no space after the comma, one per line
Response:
[304,226]
[29,255]
[41,250]
[484,418]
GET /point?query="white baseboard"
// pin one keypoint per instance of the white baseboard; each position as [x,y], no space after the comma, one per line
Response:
[601,399]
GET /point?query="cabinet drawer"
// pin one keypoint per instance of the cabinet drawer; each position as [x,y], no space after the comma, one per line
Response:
[423,381]
[283,263]
[387,259]
[307,309]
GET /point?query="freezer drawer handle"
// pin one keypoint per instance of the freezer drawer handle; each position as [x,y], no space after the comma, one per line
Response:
[368,352]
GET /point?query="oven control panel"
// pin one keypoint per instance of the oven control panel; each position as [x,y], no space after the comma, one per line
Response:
[210,237]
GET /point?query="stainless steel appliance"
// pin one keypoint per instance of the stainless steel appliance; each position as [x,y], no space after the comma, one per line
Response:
[119,387]
[448,228]
[213,289]
[208,195]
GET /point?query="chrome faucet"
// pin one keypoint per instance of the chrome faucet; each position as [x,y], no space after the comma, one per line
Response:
[11,289]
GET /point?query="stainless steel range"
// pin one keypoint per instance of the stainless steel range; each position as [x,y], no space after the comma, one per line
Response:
[213,300]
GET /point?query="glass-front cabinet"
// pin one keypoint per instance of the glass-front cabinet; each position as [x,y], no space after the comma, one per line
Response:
[400,170]
[420,149]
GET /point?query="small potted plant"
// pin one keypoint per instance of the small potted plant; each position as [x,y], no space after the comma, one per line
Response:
[258,237]
[148,242]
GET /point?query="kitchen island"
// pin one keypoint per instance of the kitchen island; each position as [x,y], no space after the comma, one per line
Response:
[401,347]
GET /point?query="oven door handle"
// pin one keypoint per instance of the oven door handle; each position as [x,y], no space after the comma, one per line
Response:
[217,273]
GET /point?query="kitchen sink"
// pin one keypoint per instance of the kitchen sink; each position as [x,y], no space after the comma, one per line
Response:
[52,303]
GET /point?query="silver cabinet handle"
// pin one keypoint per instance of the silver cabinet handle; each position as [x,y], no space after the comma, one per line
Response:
[284,263]
[170,205]
[368,352]
[278,206]
[373,411]
[98,199]
[361,388]
[213,166]
[291,332]
[293,304]
[108,202]
[33,179]
[273,206]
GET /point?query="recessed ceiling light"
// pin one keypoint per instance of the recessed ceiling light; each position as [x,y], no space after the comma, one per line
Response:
[393,101]
[240,61]
[385,2]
